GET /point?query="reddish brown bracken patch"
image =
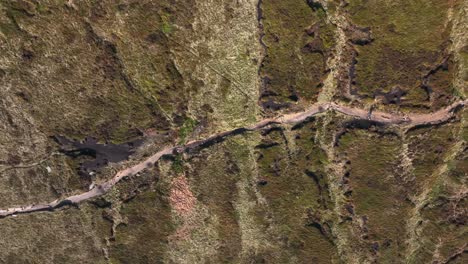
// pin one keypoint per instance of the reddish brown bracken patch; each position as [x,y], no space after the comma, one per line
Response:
[181,198]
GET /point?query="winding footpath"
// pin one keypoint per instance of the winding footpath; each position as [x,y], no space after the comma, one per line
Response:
[410,120]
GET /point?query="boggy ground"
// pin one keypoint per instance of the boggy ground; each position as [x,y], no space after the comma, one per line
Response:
[399,53]
[360,176]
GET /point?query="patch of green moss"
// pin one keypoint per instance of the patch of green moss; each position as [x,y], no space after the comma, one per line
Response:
[187,128]
[8,28]
[41,8]
[166,26]
[178,164]
[11,14]
[327,34]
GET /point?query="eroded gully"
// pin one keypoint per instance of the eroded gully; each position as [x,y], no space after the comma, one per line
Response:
[408,121]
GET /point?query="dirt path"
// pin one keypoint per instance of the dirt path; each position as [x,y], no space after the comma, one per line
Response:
[408,121]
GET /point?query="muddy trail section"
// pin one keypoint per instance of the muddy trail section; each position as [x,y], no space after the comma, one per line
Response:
[408,121]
